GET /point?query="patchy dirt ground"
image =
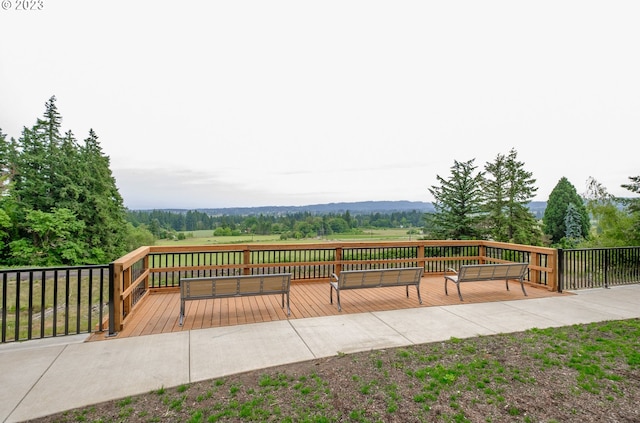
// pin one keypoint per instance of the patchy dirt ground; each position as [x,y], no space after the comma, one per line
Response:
[587,373]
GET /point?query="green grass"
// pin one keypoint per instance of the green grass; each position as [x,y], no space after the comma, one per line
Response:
[206,238]
[583,369]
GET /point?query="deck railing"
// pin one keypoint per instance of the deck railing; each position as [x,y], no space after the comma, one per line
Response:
[48,302]
[159,268]
[598,267]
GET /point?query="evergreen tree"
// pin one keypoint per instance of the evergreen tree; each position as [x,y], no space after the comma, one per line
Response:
[5,162]
[508,189]
[572,224]
[458,203]
[30,181]
[102,206]
[561,196]
[7,209]
[54,181]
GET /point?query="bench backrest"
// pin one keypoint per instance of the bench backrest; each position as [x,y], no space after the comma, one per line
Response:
[479,272]
[227,286]
[379,277]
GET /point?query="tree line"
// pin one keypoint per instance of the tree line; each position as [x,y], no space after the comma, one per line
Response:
[165,224]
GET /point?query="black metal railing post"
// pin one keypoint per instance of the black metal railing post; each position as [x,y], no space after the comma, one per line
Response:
[607,257]
[112,304]
[560,269]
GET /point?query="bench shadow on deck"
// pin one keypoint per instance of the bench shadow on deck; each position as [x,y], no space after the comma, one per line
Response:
[159,311]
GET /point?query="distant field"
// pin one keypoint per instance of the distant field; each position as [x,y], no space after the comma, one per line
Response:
[207,238]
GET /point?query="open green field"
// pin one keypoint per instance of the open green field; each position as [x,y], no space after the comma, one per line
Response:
[206,238]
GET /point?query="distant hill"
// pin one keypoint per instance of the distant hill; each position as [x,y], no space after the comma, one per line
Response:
[361,207]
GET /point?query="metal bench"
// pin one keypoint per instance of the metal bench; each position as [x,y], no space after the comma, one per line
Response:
[486,272]
[233,286]
[375,278]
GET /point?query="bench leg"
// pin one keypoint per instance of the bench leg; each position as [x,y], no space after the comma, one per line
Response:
[181,313]
[288,307]
[506,282]
[522,286]
[459,294]
[418,291]
[457,286]
[331,288]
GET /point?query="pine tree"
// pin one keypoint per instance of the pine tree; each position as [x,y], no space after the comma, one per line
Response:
[5,166]
[458,203]
[561,196]
[55,180]
[102,206]
[5,162]
[37,163]
[495,192]
[508,189]
[572,224]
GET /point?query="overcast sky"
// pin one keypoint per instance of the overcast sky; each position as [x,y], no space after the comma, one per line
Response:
[252,103]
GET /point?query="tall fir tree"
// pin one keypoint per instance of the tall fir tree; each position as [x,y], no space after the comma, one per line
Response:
[5,177]
[508,189]
[563,194]
[5,161]
[102,206]
[572,224]
[458,203]
[38,162]
[56,180]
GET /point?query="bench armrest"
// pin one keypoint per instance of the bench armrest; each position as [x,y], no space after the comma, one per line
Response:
[450,270]
[334,276]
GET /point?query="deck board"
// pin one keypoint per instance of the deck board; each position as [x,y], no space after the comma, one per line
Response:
[158,312]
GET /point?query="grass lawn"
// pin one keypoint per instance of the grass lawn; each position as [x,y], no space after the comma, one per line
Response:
[207,238]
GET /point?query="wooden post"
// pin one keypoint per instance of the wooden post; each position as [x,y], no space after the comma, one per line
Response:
[338,266]
[554,275]
[115,303]
[534,274]
[145,267]
[482,253]
[246,259]
[421,261]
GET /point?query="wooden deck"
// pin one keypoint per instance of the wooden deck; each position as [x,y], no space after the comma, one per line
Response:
[158,312]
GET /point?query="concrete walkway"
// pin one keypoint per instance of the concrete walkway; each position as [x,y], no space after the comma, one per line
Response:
[43,377]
